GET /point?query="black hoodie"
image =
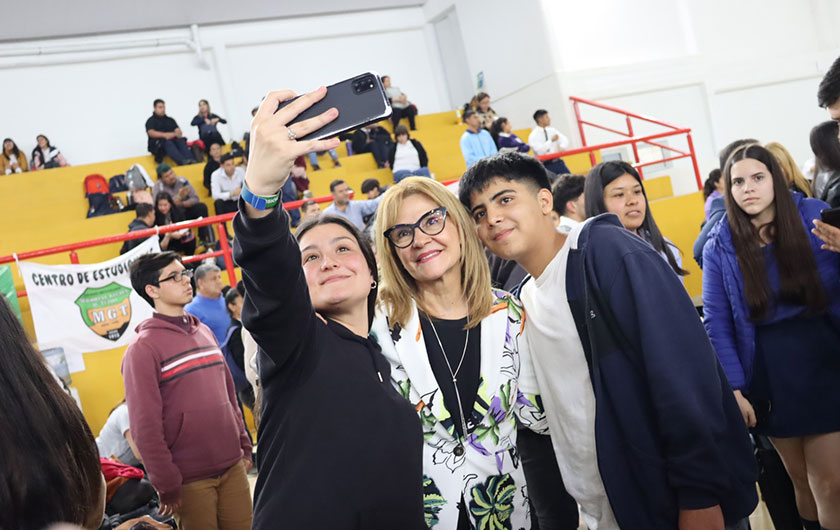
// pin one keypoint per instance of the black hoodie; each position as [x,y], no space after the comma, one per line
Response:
[339,448]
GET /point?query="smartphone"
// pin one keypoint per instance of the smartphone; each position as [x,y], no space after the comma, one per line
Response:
[360,101]
[831,216]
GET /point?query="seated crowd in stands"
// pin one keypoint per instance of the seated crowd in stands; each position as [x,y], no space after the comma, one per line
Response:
[44,156]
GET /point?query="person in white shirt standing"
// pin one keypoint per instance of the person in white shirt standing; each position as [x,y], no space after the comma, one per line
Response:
[546,140]
[226,185]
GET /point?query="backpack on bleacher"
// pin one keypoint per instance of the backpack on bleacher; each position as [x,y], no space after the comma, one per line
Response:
[117,184]
[96,184]
[136,178]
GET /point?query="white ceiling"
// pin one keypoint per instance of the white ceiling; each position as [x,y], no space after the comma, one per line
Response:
[38,19]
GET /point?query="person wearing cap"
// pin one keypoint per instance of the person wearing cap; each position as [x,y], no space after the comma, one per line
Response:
[476,143]
[183,195]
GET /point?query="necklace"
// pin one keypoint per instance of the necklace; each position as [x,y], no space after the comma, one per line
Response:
[459,449]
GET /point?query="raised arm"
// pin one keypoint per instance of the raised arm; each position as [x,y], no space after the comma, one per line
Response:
[277,310]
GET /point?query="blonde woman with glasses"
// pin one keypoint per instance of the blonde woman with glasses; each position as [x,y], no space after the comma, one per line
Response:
[457,355]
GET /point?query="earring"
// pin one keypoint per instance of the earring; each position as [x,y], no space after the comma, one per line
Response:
[373,285]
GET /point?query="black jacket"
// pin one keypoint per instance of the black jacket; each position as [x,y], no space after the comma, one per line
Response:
[339,448]
[421,153]
[359,139]
[134,226]
[668,430]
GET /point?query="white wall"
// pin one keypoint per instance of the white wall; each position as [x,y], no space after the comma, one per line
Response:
[725,69]
[96,109]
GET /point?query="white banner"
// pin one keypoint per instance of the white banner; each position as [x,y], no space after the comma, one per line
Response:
[86,308]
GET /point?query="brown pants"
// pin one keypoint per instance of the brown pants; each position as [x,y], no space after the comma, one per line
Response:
[221,503]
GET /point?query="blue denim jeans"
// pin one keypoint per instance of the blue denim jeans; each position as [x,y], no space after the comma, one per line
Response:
[403,173]
[313,157]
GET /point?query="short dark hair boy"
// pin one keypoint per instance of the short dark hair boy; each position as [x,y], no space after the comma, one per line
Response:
[146,269]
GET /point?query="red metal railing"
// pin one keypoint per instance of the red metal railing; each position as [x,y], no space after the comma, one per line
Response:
[218,220]
[673,130]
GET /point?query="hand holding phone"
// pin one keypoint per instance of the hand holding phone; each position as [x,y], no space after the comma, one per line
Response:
[274,149]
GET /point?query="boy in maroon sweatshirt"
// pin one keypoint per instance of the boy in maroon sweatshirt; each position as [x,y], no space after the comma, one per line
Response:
[182,405]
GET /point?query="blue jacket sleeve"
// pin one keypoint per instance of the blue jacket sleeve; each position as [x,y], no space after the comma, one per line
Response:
[470,156]
[716,215]
[718,318]
[657,316]
[198,120]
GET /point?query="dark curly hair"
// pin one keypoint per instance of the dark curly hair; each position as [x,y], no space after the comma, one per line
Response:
[829,91]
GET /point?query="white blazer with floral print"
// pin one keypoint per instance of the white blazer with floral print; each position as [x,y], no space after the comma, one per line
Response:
[488,474]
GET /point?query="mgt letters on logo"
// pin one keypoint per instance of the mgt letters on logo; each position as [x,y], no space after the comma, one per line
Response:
[106,310]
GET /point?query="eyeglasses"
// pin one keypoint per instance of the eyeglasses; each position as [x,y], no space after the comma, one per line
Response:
[431,224]
[178,276]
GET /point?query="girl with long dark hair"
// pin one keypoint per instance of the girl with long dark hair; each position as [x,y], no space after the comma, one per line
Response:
[616,187]
[339,447]
[50,471]
[166,213]
[46,155]
[772,302]
[12,160]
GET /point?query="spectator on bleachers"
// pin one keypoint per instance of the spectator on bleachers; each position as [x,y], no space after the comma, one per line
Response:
[795,179]
[481,104]
[213,163]
[476,143]
[313,159]
[115,440]
[145,218]
[166,213]
[609,325]
[12,160]
[400,104]
[545,140]
[372,188]
[502,133]
[353,211]
[226,185]
[181,190]
[182,405]
[50,471]
[436,285]
[206,122]
[569,201]
[375,140]
[408,158]
[309,210]
[46,156]
[769,290]
[208,305]
[234,350]
[826,148]
[616,187]
[166,138]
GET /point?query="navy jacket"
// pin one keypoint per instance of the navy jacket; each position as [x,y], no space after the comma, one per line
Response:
[717,212]
[668,431]
[727,316]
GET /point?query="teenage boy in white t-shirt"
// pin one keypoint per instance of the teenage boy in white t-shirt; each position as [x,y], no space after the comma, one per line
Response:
[645,427]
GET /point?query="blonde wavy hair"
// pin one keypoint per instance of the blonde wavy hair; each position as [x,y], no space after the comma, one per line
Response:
[793,175]
[398,288]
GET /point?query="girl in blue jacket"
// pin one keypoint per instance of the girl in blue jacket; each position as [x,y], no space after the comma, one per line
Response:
[772,301]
